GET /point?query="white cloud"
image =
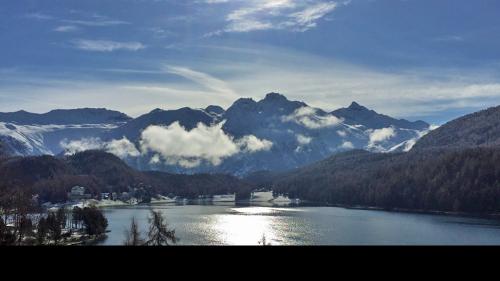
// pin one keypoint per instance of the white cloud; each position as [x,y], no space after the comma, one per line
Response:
[178,146]
[106,46]
[347,145]
[251,144]
[303,140]
[76,146]
[380,135]
[121,148]
[308,117]
[342,133]
[155,159]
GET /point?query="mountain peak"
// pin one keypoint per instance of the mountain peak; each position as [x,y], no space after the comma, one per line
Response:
[356,106]
[214,109]
[275,97]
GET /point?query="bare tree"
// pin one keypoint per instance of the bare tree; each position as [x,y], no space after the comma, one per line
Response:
[133,236]
[159,234]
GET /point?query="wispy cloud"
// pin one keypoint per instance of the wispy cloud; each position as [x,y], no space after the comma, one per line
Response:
[65,28]
[292,15]
[320,82]
[106,46]
[308,117]
[204,79]
[449,38]
[307,18]
[96,22]
[39,16]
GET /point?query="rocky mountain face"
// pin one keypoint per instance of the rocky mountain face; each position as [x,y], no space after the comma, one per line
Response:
[273,134]
[480,129]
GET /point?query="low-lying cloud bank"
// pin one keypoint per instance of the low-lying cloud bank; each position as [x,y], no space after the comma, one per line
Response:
[308,117]
[122,148]
[175,145]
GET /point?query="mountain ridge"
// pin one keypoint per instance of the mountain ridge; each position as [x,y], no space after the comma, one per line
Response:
[272,133]
[65,117]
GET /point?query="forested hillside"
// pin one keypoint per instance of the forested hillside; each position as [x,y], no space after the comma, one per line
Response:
[52,178]
[478,129]
[465,180]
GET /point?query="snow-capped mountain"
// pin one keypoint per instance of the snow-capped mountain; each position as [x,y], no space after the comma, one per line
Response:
[23,133]
[271,134]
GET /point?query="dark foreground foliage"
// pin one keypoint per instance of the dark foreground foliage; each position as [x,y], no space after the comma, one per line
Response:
[159,234]
[23,222]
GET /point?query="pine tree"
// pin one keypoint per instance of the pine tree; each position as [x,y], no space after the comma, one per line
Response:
[159,234]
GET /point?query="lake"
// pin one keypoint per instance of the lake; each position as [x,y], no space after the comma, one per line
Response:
[229,224]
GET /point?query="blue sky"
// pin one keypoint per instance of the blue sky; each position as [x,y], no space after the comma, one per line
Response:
[417,59]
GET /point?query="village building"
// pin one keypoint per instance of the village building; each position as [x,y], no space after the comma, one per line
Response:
[78,193]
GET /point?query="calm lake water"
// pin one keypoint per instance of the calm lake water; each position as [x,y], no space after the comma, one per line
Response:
[239,225]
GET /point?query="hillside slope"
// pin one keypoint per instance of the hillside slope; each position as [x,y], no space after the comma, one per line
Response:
[52,177]
[478,129]
[466,180]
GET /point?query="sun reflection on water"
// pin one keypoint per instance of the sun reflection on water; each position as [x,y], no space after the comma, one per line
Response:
[247,226]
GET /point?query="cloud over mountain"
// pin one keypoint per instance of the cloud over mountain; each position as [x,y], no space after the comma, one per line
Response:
[309,118]
[190,148]
[380,135]
[122,148]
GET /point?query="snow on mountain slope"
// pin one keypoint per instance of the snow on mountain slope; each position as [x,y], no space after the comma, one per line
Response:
[24,140]
[272,134]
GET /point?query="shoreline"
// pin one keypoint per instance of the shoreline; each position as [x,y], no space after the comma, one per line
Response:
[495,216]
[304,203]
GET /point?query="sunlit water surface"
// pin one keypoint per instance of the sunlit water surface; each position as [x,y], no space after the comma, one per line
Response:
[233,225]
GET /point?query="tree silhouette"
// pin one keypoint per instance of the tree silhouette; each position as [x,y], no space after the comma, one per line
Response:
[133,236]
[159,234]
